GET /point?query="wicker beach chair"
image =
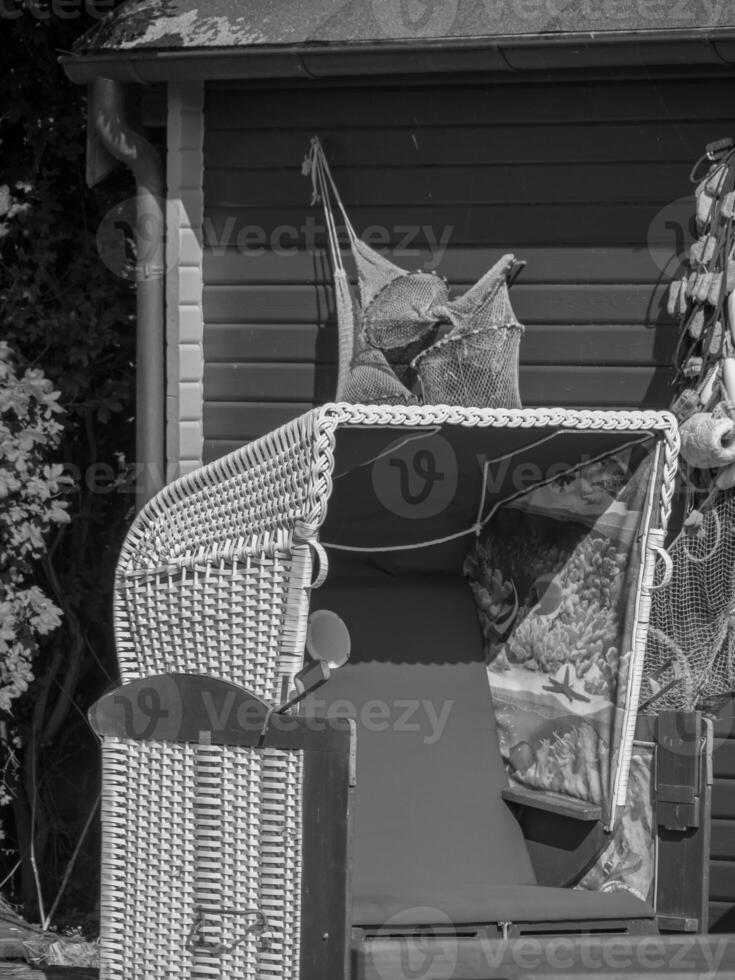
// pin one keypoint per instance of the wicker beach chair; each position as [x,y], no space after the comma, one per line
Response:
[216,581]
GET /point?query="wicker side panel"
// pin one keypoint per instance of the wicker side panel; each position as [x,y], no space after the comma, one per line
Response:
[147,887]
[196,840]
[242,621]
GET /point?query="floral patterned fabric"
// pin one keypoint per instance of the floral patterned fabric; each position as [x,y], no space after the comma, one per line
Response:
[555,575]
[628,862]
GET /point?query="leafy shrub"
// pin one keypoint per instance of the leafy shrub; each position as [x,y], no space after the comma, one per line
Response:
[62,309]
[32,505]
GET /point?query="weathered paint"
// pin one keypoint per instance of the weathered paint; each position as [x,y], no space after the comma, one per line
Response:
[190,24]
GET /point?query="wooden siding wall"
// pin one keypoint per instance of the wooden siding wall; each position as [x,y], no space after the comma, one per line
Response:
[572,177]
[569,176]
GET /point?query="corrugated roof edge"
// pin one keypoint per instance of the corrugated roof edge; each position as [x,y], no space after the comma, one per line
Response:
[713,47]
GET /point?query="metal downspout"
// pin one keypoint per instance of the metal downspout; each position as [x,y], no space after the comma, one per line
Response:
[107,111]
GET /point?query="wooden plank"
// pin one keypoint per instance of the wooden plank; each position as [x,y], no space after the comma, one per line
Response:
[326,872]
[419,184]
[723,799]
[214,448]
[722,917]
[540,385]
[461,266]
[290,342]
[246,421]
[232,383]
[498,226]
[543,304]
[723,759]
[723,840]
[682,817]
[724,720]
[552,803]
[634,957]
[662,140]
[229,394]
[542,343]
[512,103]
[722,880]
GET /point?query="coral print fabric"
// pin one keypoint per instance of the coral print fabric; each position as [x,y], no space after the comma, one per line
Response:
[628,862]
[555,577]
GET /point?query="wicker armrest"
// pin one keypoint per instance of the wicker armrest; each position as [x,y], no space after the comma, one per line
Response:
[192,708]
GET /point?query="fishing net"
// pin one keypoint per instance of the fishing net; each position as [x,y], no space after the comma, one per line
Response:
[476,364]
[690,653]
[403,318]
[390,324]
[384,340]
[371,380]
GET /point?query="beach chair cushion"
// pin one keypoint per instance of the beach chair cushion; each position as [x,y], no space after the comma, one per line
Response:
[431,828]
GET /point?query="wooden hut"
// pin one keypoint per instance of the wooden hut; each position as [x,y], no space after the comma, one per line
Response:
[457,130]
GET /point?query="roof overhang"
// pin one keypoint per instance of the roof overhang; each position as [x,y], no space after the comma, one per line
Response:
[590,50]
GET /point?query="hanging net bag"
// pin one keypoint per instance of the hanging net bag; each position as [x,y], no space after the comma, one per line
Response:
[476,364]
[397,313]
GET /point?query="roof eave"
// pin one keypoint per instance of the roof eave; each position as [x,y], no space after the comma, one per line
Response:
[477,54]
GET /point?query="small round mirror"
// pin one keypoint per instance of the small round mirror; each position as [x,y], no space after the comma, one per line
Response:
[327,638]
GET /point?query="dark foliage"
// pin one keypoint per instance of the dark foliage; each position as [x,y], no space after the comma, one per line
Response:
[63,311]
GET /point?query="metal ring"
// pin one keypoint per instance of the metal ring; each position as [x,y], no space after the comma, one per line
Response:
[320,551]
[668,567]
